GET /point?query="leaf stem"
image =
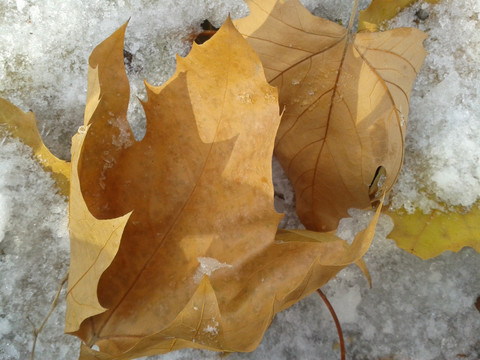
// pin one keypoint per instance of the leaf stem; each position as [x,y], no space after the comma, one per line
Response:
[36,332]
[335,319]
[352,17]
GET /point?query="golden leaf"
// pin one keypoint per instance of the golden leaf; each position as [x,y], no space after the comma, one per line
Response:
[197,264]
[93,245]
[428,235]
[23,126]
[346,104]
[380,11]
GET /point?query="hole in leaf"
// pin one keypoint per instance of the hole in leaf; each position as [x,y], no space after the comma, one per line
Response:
[374,190]
[208,31]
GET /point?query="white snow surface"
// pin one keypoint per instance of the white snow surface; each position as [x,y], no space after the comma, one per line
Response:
[442,150]
[416,309]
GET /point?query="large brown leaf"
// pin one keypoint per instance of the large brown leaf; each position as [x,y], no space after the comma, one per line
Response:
[173,236]
[346,104]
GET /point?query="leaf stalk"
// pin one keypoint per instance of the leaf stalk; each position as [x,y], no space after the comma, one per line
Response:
[337,323]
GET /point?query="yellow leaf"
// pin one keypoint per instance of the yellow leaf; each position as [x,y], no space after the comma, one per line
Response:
[199,263]
[428,235]
[23,126]
[346,104]
[380,11]
[93,245]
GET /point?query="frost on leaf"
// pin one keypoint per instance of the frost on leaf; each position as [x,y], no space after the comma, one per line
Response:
[346,104]
[196,190]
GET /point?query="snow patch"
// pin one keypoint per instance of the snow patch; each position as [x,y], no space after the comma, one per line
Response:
[345,302]
[442,149]
[348,228]
[211,329]
[207,267]
[4,214]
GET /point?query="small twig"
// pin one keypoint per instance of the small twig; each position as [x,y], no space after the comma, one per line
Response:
[337,323]
[36,332]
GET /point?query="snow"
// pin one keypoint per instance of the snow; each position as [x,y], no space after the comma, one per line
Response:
[415,310]
[33,254]
[4,215]
[211,329]
[442,152]
[346,299]
[207,266]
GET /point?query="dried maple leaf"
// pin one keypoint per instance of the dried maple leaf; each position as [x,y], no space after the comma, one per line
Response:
[23,126]
[173,236]
[424,235]
[346,104]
